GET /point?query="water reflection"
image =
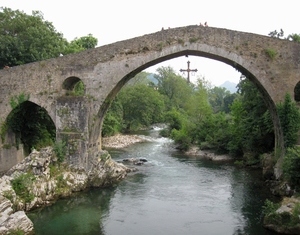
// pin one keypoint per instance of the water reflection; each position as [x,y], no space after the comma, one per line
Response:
[79,215]
[249,193]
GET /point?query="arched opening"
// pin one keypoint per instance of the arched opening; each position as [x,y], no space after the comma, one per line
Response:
[31,125]
[297,92]
[273,139]
[258,94]
[74,86]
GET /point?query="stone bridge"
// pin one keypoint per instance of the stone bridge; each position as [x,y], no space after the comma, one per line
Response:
[271,63]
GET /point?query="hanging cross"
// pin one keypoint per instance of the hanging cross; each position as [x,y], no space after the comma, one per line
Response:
[188,70]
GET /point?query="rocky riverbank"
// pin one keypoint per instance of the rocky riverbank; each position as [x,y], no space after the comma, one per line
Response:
[206,154]
[121,141]
[283,218]
[40,180]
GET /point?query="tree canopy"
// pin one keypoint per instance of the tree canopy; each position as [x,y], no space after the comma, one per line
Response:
[29,38]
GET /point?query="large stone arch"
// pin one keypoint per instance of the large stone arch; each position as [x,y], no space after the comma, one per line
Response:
[237,61]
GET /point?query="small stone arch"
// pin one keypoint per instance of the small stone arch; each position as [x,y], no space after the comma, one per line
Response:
[13,149]
[74,86]
[31,126]
[297,92]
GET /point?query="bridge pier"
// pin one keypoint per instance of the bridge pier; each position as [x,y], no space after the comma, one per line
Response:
[11,153]
[72,128]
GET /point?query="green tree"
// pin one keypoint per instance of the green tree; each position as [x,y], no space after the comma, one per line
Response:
[86,42]
[290,121]
[184,122]
[228,101]
[81,44]
[294,37]
[142,106]
[251,122]
[214,132]
[27,38]
[113,121]
[174,87]
[217,97]
[291,165]
[197,105]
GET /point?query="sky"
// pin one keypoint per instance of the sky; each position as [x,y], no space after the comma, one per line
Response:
[116,20]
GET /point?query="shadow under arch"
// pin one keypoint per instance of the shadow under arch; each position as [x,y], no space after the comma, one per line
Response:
[31,126]
[297,92]
[243,69]
[74,86]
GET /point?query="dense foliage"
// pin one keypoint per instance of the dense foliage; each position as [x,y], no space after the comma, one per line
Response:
[210,117]
[291,166]
[137,105]
[290,121]
[21,185]
[29,38]
[252,129]
[142,106]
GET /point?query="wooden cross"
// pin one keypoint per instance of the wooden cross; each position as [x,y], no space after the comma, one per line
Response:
[188,70]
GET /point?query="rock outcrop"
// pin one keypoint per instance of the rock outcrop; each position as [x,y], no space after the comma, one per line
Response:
[284,219]
[195,151]
[121,141]
[40,180]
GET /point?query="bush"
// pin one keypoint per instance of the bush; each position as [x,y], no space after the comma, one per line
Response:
[165,132]
[295,216]
[60,149]
[269,211]
[111,125]
[271,53]
[270,207]
[291,166]
[15,232]
[22,184]
[181,138]
[289,116]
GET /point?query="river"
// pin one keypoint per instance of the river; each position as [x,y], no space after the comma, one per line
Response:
[171,194]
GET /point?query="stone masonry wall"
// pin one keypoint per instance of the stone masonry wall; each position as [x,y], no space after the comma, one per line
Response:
[72,128]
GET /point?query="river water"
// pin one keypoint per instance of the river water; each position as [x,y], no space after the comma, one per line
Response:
[171,194]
